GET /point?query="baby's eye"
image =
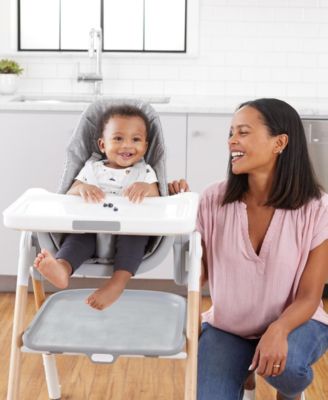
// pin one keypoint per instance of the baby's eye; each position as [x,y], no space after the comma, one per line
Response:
[136,139]
[117,138]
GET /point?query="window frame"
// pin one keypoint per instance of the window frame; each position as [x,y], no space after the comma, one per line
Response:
[63,51]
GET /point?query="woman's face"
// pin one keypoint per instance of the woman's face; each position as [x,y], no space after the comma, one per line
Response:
[252,149]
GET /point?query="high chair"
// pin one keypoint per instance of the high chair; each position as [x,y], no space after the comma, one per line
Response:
[141,322]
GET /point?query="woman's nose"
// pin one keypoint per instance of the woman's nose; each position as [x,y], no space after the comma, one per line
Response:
[232,139]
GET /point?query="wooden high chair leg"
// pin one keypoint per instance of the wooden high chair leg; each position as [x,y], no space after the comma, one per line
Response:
[194,277]
[192,346]
[38,291]
[24,262]
[15,353]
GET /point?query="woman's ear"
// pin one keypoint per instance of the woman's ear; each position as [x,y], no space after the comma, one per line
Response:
[281,143]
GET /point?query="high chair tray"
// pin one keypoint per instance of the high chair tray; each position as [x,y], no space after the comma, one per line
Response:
[42,211]
[140,322]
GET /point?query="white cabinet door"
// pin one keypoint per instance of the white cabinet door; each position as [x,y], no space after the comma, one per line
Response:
[207,150]
[31,155]
[174,130]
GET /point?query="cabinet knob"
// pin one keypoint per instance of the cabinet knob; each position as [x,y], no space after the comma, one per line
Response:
[197,134]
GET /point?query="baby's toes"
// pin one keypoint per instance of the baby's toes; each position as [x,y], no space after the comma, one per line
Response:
[37,261]
[90,300]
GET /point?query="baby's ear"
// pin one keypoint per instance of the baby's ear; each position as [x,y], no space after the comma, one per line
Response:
[101,145]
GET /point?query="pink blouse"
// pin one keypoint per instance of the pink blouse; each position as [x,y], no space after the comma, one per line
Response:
[250,291]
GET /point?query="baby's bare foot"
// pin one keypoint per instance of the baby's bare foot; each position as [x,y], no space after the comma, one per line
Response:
[55,271]
[105,296]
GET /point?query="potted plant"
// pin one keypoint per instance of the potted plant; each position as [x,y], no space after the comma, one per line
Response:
[9,72]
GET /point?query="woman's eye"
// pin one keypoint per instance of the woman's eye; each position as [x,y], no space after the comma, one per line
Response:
[243,133]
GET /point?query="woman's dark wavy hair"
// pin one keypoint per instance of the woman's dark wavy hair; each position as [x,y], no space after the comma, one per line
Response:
[294,183]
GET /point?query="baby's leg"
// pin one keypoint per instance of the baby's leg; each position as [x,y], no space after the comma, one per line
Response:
[56,271]
[128,256]
[75,249]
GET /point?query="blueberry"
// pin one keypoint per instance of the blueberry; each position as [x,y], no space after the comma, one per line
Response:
[105,205]
[110,204]
[115,209]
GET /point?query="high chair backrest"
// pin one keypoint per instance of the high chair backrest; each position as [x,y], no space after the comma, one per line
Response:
[84,143]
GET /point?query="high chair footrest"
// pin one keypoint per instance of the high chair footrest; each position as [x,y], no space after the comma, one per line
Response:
[139,323]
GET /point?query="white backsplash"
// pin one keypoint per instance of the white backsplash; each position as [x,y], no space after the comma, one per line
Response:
[247,48]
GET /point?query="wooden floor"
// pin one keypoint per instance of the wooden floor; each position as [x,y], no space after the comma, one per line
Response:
[127,379]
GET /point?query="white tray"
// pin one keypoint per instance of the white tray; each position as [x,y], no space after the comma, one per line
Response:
[41,211]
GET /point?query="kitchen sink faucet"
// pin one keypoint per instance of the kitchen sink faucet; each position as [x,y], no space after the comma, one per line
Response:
[94,47]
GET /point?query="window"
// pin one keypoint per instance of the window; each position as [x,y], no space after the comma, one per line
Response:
[128,25]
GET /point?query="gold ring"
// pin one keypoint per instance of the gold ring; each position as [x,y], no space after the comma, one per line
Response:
[276,365]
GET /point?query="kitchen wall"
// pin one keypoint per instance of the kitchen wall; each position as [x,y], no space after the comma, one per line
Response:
[247,48]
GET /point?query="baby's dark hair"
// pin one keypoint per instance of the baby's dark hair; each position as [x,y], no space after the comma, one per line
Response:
[124,110]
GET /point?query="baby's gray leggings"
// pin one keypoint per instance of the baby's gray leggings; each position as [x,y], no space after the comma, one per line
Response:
[79,247]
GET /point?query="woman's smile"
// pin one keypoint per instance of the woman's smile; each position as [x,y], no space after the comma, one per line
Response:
[236,156]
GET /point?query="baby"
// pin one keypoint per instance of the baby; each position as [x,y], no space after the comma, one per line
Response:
[124,142]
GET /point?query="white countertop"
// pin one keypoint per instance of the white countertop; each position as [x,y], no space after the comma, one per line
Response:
[311,108]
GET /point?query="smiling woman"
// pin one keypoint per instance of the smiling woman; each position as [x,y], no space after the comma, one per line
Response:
[265,249]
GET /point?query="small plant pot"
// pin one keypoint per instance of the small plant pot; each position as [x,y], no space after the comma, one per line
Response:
[8,83]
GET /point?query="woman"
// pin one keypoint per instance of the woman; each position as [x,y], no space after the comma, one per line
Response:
[265,253]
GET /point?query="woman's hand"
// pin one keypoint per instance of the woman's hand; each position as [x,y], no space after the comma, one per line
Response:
[271,352]
[180,186]
[139,190]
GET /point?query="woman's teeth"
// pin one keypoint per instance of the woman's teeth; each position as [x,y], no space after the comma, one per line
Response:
[237,154]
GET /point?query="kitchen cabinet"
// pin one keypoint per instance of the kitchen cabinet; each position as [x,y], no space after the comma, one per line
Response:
[174,129]
[33,155]
[207,149]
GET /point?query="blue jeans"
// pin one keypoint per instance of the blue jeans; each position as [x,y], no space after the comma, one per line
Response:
[224,359]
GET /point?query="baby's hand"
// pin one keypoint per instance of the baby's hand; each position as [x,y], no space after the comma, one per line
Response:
[91,193]
[180,186]
[137,191]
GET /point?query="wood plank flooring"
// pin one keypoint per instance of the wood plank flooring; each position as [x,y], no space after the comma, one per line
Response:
[127,379]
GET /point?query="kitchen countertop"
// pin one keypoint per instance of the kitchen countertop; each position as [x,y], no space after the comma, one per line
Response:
[308,108]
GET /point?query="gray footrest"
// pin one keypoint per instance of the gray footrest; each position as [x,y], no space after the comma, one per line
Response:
[140,323]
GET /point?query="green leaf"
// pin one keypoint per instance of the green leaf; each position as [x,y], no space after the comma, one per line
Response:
[10,67]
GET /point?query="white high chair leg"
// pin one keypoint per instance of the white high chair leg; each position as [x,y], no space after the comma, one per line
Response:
[249,394]
[24,262]
[50,370]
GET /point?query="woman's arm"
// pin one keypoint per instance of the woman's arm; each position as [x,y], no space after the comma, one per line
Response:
[273,346]
[309,292]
